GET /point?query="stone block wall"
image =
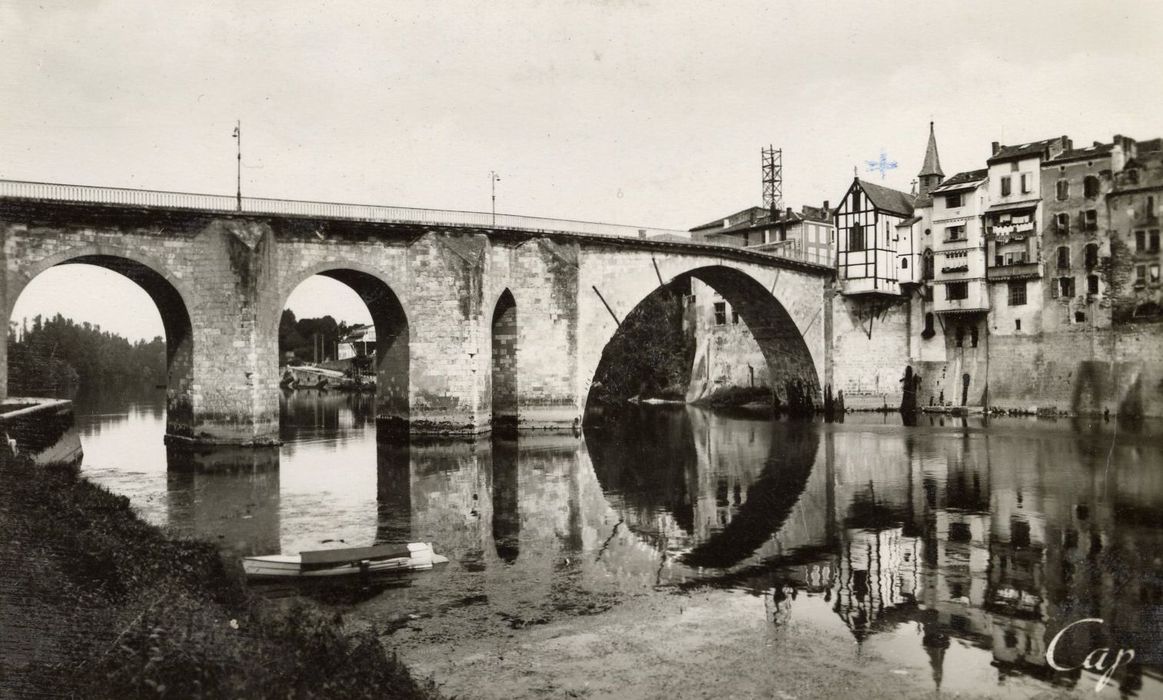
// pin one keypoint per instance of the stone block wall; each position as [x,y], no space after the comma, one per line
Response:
[869,349]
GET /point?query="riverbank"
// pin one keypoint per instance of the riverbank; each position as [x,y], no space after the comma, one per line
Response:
[95,602]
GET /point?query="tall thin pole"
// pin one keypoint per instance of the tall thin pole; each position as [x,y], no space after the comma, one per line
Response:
[238,181]
[494,178]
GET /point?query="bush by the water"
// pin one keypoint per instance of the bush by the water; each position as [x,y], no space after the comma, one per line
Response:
[171,618]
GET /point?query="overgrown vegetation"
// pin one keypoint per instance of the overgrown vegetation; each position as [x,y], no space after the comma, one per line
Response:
[304,336]
[650,356]
[157,617]
[50,356]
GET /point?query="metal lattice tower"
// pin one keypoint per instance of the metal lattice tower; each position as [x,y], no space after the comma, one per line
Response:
[773,179]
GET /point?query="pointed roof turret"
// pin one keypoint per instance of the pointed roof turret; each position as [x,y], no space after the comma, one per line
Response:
[932,164]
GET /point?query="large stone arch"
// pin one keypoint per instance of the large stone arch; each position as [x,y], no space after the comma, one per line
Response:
[393,354]
[781,338]
[170,296]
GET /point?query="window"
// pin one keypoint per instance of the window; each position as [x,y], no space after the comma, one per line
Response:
[856,200]
[1066,287]
[957,290]
[734,316]
[1026,188]
[955,233]
[1090,219]
[904,263]
[952,201]
[928,263]
[1090,187]
[1150,208]
[960,336]
[1005,186]
[973,335]
[720,313]
[928,332]
[1063,190]
[1062,222]
[1063,257]
[1154,279]
[1091,255]
[1079,317]
[1017,324]
[1153,245]
[1140,241]
[1140,274]
[1017,293]
[856,238]
[1092,284]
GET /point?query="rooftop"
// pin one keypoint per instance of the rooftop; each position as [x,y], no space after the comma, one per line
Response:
[1098,150]
[961,181]
[1027,150]
[888,199]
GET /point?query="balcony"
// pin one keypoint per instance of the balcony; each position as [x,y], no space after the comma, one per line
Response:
[1014,272]
[865,286]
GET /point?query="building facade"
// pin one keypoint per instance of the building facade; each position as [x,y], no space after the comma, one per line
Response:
[1013,234]
[1134,204]
[867,235]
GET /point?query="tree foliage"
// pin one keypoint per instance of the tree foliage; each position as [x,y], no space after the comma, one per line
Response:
[649,356]
[302,337]
[50,356]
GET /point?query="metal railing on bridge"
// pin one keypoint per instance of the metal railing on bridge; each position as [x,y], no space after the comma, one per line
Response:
[84,194]
[159,199]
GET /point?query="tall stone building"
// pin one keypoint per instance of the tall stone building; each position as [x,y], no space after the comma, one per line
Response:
[1134,204]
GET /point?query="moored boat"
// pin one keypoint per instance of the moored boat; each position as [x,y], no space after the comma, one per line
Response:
[349,561]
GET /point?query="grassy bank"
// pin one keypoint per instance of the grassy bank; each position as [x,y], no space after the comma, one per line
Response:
[106,605]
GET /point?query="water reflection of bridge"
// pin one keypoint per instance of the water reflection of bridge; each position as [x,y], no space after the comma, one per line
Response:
[993,539]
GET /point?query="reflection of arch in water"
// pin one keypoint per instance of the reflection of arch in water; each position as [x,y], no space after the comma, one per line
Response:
[506,499]
[667,473]
[170,298]
[770,499]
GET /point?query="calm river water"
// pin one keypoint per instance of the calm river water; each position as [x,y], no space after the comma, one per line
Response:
[952,551]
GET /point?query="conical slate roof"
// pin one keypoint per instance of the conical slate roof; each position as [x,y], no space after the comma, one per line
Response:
[932,164]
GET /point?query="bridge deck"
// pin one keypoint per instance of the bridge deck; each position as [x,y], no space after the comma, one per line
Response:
[45,192]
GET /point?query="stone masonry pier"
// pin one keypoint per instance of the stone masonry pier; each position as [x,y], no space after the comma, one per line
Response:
[221,271]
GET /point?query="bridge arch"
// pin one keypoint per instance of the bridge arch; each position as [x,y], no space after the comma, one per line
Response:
[169,295]
[504,375]
[779,337]
[393,355]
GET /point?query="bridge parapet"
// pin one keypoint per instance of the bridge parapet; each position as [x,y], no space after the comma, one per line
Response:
[119,196]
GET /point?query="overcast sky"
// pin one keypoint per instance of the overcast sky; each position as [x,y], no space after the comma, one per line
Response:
[645,113]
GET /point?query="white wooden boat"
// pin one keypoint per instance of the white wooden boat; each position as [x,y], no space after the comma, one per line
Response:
[343,562]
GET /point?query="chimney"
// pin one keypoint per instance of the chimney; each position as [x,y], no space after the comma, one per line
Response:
[996,147]
[789,213]
[827,208]
[642,233]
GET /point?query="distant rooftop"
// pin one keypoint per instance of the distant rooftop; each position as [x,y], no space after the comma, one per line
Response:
[961,181]
[1026,150]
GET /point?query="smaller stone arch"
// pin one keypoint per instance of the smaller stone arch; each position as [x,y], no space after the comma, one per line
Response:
[393,354]
[504,374]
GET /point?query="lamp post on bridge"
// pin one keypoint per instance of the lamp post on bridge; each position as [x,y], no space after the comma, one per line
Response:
[494,178]
[238,180]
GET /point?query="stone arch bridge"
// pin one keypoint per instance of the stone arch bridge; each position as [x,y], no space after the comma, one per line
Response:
[462,302]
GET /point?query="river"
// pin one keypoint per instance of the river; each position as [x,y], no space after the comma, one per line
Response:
[681,552]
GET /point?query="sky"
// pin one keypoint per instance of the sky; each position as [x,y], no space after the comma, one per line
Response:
[635,112]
